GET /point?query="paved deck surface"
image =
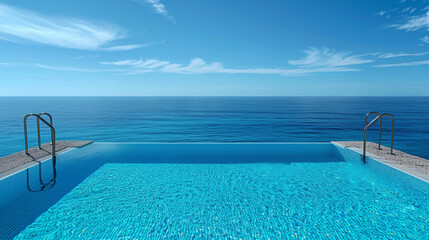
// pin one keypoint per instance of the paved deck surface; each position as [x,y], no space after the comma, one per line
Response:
[18,159]
[406,162]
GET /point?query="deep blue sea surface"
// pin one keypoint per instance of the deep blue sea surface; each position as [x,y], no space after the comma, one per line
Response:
[216,119]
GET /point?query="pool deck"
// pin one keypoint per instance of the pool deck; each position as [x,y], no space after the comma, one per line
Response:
[35,155]
[414,165]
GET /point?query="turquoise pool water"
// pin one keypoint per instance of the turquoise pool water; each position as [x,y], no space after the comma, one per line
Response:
[219,191]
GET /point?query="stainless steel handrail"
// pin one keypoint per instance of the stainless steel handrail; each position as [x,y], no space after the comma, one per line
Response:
[379,128]
[44,121]
[370,124]
[38,126]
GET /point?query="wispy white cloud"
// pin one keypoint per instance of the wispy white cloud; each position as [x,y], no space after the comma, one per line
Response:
[197,65]
[394,55]
[140,64]
[87,56]
[18,25]
[382,13]
[316,61]
[159,8]
[329,58]
[122,47]
[425,39]
[5,64]
[129,47]
[409,10]
[415,23]
[416,63]
[74,69]
[406,9]
[411,18]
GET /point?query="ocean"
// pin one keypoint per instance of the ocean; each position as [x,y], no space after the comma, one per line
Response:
[216,119]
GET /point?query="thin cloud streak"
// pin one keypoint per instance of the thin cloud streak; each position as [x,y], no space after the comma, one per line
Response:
[394,55]
[129,47]
[75,69]
[415,23]
[409,10]
[196,66]
[159,8]
[8,64]
[315,61]
[122,47]
[320,61]
[18,25]
[404,64]
[328,58]
[382,13]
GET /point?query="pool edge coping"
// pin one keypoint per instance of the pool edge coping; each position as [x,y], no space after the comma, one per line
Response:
[386,162]
[28,165]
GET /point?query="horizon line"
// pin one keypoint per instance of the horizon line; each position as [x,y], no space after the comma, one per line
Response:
[255,96]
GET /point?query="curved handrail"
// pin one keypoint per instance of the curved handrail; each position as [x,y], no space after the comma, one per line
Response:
[379,128]
[368,114]
[370,124]
[38,126]
[44,121]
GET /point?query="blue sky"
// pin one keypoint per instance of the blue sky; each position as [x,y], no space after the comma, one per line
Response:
[214,48]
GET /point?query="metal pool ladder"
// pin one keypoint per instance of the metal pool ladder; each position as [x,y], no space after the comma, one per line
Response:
[378,118]
[50,125]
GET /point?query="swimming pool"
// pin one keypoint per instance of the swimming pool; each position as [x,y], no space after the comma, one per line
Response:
[213,191]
